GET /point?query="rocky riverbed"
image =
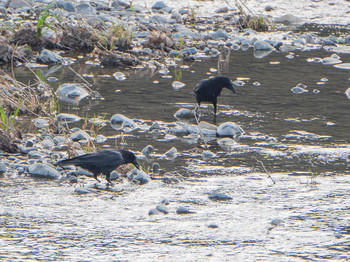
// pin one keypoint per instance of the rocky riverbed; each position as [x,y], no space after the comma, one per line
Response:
[268,180]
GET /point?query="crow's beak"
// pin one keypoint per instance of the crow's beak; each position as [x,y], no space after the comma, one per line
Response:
[136,164]
[232,88]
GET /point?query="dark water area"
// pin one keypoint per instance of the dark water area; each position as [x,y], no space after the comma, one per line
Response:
[301,217]
[264,105]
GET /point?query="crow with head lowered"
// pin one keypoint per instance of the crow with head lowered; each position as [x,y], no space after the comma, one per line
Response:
[209,89]
[102,162]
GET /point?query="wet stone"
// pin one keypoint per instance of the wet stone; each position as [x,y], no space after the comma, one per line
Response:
[82,190]
[49,57]
[299,90]
[147,150]
[72,93]
[155,167]
[86,9]
[154,126]
[220,34]
[114,175]
[347,93]
[80,135]
[276,221]
[66,5]
[229,129]
[171,153]
[223,9]
[263,45]
[29,143]
[177,85]
[207,154]
[42,170]
[183,210]
[67,118]
[3,167]
[164,201]
[288,19]
[153,211]
[184,113]
[219,197]
[35,154]
[138,176]
[162,209]
[159,5]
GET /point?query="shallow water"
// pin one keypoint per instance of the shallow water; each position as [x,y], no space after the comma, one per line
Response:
[301,217]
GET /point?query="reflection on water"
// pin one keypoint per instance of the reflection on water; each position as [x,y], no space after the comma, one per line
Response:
[300,217]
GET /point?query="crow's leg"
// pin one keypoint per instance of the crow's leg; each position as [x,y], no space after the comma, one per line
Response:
[95,176]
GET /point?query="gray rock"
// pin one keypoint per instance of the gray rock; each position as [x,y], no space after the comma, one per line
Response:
[223,9]
[159,5]
[154,126]
[268,8]
[72,93]
[179,131]
[118,119]
[100,139]
[35,154]
[184,113]
[49,57]
[114,175]
[219,196]
[42,170]
[40,122]
[153,211]
[288,19]
[220,34]
[276,221]
[164,201]
[80,135]
[174,53]
[155,167]
[263,45]
[3,167]
[68,6]
[86,9]
[159,19]
[82,190]
[29,143]
[67,118]
[207,154]
[147,150]
[171,153]
[138,176]
[183,210]
[26,150]
[229,129]
[128,123]
[189,51]
[162,209]
[287,48]
[347,93]
[15,4]
[47,144]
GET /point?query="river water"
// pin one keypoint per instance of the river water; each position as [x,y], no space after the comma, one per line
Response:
[302,140]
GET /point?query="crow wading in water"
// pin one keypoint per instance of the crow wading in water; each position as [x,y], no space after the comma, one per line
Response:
[209,89]
[102,162]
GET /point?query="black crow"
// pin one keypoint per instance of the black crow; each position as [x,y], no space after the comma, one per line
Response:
[209,89]
[102,162]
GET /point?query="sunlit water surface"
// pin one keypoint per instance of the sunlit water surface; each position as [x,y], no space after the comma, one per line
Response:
[302,141]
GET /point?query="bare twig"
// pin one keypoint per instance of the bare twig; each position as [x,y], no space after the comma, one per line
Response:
[268,173]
